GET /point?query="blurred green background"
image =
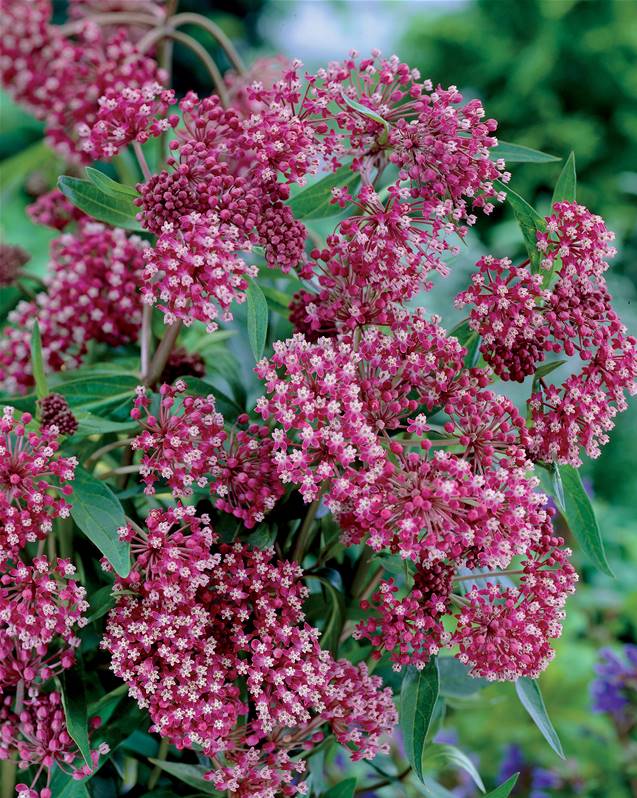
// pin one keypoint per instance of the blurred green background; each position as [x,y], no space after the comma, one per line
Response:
[559,75]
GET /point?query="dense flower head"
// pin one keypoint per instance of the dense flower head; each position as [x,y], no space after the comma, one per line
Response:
[39,734]
[504,633]
[188,446]
[34,482]
[127,115]
[41,602]
[11,261]
[184,657]
[576,241]
[61,79]
[411,627]
[194,271]
[55,412]
[182,363]
[91,296]
[53,209]
[382,112]
[614,689]
[505,312]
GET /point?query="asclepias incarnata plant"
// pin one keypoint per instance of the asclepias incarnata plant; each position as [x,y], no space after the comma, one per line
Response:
[300,553]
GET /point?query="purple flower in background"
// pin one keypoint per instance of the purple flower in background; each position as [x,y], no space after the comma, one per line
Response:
[537,780]
[615,687]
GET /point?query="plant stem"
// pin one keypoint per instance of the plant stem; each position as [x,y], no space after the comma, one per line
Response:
[156,771]
[127,469]
[160,358]
[141,160]
[145,337]
[385,782]
[216,32]
[108,18]
[8,774]
[305,532]
[105,449]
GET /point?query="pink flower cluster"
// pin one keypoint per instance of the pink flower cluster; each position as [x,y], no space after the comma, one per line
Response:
[351,424]
[33,484]
[190,628]
[61,79]
[187,446]
[520,321]
[41,605]
[91,296]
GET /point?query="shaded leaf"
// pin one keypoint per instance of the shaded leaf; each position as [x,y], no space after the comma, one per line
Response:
[257,320]
[470,340]
[580,517]
[333,586]
[518,153]
[99,514]
[365,111]
[344,789]
[100,603]
[89,424]
[315,202]
[566,186]
[225,404]
[528,691]
[37,363]
[455,681]
[104,392]
[529,222]
[107,704]
[543,370]
[119,210]
[74,704]
[189,774]
[418,695]
[455,757]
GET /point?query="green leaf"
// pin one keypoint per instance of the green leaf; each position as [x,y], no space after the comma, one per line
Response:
[74,704]
[365,111]
[315,202]
[504,790]
[542,371]
[580,517]
[192,775]
[517,153]
[331,581]
[455,681]
[257,320]
[435,790]
[566,186]
[109,186]
[98,513]
[104,392]
[14,170]
[455,757]
[418,695]
[344,789]
[119,210]
[37,363]
[529,222]
[105,706]
[470,340]
[528,691]
[101,602]
[88,424]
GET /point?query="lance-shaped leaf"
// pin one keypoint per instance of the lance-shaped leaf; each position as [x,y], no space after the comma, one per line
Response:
[118,210]
[518,153]
[529,222]
[192,775]
[470,339]
[566,186]
[74,704]
[504,790]
[418,696]
[580,516]
[315,202]
[257,320]
[37,363]
[455,681]
[528,691]
[455,757]
[333,588]
[365,111]
[99,514]
[543,371]
[109,186]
